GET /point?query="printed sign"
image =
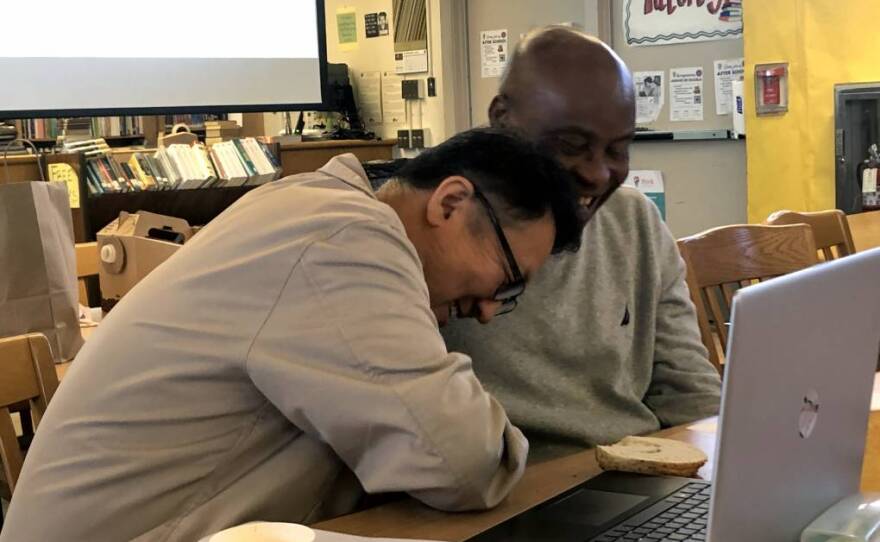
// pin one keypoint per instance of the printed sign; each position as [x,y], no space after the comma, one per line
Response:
[649,183]
[64,173]
[493,52]
[726,72]
[686,94]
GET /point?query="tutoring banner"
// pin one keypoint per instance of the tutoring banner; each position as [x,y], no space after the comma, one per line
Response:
[664,22]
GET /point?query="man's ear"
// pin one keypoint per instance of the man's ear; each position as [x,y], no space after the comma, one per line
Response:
[448,200]
[499,110]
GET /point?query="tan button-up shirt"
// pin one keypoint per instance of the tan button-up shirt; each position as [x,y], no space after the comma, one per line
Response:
[288,344]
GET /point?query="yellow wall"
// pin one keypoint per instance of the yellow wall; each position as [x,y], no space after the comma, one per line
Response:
[791,157]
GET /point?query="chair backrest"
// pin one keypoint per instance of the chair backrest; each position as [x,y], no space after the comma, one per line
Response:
[830,230]
[27,373]
[722,260]
[865,228]
[86,266]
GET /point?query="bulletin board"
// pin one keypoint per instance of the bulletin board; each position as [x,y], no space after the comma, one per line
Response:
[663,58]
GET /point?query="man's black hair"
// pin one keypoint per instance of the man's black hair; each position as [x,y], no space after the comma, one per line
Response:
[522,182]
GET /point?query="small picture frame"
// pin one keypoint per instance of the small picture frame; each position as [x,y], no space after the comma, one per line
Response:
[771,88]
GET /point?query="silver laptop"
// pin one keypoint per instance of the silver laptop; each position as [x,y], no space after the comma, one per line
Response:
[794,414]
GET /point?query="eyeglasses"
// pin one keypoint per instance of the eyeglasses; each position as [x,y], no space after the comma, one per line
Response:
[508,292]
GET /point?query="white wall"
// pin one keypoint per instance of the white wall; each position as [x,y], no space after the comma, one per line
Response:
[377,54]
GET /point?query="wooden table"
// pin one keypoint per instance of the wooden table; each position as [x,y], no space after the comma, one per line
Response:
[408,518]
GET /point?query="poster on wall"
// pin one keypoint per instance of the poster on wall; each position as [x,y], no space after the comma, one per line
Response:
[685,94]
[493,52]
[649,183]
[650,95]
[726,72]
[664,22]
[376,24]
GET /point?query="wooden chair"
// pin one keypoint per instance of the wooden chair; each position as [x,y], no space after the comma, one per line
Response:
[721,260]
[865,229]
[27,374]
[830,230]
[86,266]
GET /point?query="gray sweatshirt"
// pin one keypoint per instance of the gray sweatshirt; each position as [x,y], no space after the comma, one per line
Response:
[604,342]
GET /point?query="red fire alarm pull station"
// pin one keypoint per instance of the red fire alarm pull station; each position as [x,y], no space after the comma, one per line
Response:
[771,88]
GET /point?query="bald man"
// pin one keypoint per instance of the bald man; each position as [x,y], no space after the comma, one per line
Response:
[605,342]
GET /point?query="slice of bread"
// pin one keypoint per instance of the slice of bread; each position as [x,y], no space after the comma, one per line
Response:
[648,455]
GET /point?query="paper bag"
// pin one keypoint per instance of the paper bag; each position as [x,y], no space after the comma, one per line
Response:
[38,284]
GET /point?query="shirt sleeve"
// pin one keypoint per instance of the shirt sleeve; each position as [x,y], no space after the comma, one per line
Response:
[684,386]
[352,355]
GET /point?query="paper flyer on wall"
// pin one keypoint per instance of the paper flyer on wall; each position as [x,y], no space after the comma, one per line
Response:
[649,183]
[415,61]
[650,95]
[726,72]
[346,28]
[686,94]
[393,104]
[493,52]
[369,89]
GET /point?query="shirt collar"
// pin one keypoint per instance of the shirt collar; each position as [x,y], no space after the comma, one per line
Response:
[347,168]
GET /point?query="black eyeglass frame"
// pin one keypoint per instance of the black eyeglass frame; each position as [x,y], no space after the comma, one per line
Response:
[507,293]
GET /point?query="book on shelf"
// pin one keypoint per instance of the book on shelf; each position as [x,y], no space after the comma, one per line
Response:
[80,127]
[193,121]
[116,126]
[238,162]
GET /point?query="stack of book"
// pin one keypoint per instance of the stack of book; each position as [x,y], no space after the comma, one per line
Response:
[149,171]
[187,166]
[103,173]
[8,132]
[217,131]
[245,161]
[232,163]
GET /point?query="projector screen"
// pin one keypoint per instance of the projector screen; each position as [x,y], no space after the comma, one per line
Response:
[97,57]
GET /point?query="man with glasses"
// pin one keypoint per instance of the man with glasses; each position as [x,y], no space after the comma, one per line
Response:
[507,293]
[605,342]
[294,341]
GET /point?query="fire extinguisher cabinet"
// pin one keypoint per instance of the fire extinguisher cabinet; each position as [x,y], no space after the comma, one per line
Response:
[856,144]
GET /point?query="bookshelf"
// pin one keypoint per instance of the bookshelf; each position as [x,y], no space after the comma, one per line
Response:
[117,131]
[198,206]
[113,141]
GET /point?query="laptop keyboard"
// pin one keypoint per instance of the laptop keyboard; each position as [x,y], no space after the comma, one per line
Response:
[680,516]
